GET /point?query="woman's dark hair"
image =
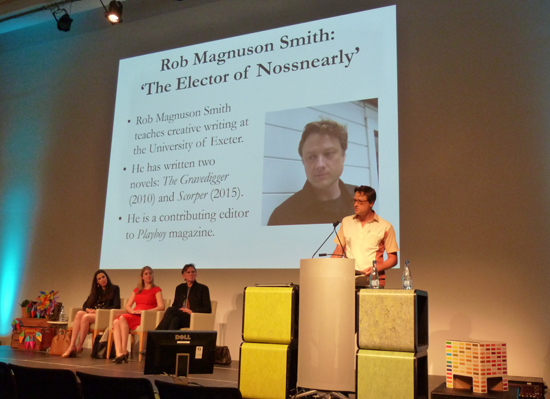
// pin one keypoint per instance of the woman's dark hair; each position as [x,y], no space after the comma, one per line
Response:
[97,294]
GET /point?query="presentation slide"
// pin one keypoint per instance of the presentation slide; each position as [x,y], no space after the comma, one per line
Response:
[205,166]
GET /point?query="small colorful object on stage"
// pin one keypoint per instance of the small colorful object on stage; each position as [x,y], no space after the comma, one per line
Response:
[46,303]
[480,365]
[39,336]
[21,336]
[15,325]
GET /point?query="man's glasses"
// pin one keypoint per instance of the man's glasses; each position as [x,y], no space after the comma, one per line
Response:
[360,202]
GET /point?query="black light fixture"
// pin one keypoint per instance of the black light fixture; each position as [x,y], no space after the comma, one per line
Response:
[114,13]
[64,22]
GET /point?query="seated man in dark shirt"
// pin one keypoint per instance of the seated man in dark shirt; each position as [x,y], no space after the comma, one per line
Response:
[191,297]
[324,197]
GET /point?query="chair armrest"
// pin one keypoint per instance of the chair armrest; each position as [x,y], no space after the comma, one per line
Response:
[148,320]
[160,315]
[102,319]
[202,321]
[72,314]
[113,314]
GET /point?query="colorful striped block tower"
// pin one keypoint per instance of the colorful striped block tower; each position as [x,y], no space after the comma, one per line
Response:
[483,362]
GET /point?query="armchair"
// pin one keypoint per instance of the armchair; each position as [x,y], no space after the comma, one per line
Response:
[149,321]
[203,321]
[199,321]
[102,320]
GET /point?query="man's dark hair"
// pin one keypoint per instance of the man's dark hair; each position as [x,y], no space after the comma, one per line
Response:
[328,127]
[368,191]
[187,266]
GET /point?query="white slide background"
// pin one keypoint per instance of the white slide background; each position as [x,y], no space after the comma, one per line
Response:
[359,51]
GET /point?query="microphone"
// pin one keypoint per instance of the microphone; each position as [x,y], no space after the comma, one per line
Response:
[333,231]
[340,242]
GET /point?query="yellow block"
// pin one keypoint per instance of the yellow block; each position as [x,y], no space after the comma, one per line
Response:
[395,375]
[264,371]
[268,314]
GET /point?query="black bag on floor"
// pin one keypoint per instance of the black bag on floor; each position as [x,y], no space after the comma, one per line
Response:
[222,355]
[99,350]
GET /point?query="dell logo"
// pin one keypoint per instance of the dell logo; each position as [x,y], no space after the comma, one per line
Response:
[179,337]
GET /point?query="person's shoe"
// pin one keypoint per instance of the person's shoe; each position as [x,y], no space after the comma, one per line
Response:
[121,359]
[69,353]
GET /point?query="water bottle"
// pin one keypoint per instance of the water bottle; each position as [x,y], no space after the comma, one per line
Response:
[62,314]
[407,277]
[374,279]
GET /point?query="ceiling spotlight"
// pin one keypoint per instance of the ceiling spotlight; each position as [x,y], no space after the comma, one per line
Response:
[114,13]
[64,22]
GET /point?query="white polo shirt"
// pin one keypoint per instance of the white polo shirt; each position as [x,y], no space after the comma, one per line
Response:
[367,243]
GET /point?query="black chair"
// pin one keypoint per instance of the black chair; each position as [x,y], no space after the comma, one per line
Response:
[168,390]
[39,383]
[7,382]
[100,387]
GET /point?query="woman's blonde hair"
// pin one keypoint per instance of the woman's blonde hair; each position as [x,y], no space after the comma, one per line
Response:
[141,284]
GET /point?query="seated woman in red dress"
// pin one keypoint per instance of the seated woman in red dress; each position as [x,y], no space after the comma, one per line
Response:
[147,296]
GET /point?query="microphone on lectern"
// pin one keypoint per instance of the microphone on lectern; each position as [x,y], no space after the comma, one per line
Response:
[340,242]
[333,231]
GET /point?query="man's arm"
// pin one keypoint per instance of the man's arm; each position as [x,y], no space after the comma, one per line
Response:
[391,248]
[390,262]
[205,303]
[390,244]
[338,251]
[178,297]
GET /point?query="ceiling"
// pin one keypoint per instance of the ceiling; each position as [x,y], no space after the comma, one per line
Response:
[11,8]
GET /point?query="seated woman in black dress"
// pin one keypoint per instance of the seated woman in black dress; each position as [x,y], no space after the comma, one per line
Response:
[104,295]
[190,297]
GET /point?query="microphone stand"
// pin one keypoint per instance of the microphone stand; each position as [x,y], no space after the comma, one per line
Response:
[333,231]
[341,246]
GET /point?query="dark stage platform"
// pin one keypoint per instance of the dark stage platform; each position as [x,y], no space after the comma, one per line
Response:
[224,376]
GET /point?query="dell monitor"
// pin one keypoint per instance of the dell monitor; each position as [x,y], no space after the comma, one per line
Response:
[180,352]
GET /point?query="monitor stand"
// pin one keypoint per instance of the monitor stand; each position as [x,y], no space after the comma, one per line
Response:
[182,369]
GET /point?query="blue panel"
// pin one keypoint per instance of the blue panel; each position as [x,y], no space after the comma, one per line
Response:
[16,210]
[21,153]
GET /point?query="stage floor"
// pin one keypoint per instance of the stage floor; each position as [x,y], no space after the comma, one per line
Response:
[223,376]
